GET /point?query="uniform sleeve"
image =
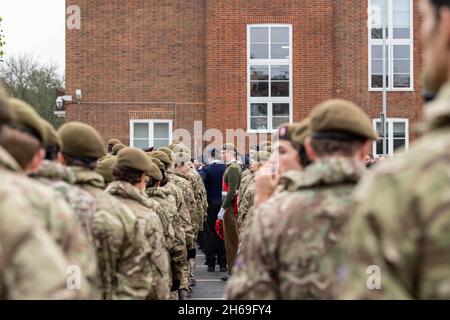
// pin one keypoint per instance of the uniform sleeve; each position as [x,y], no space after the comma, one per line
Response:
[254,270]
[233,180]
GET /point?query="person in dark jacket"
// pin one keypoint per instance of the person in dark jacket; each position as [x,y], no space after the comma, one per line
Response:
[214,246]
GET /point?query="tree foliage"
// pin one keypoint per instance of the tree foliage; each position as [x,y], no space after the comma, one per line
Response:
[27,79]
[2,40]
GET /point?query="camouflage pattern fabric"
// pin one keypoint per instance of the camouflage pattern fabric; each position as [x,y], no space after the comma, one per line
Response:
[32,267]
[56,216]
[150,224]
[292,249]
[200,196]
[122,246]
[167,211]
[402,220]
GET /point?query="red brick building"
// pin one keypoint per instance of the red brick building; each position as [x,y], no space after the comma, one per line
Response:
[146,68]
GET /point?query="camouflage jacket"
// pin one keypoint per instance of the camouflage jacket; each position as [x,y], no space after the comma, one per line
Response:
[122,247]
[245,203]
[185,186]
[56,217]
[292,247]
[245,180]
[167,211]
[175,196]
[31,264]
[245,173]
[200,195]
[402,219]
[150,223]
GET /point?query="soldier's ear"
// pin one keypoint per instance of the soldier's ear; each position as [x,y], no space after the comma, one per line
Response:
[311,153]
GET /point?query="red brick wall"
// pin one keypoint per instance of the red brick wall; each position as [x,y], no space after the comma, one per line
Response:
[137,56]
[187,60]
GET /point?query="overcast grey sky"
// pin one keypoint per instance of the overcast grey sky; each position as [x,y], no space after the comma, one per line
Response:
[36,27]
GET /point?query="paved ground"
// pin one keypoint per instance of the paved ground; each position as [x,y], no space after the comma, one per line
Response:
[209,286]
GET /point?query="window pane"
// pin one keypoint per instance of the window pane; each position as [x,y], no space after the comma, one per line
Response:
[377,66]
[141,130]
[401,52]
[399,130]
[278,121]
[258,109]
[401,33]
[259,72]
[398,143]
[377,81]
[401,18]
[280,51]
[280,109]
[161,143]
[258,123]
[259,51]
[378,128]
[401,66]
[161,131]
[376,32]
[141,144]
[259,34]
[279,34]
[379,148]
[402,5]
[280,73]
[260,89]
[279,89]
[401,80]
[377,52]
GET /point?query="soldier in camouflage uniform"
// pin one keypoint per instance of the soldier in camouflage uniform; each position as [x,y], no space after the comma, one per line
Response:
[293,246]
[111,144]
[104,168]
[61,179]
[399,232]
[50,207]
[31,264]
[175,196]
[173,228]
[131,171]
[247,192]
[122,247]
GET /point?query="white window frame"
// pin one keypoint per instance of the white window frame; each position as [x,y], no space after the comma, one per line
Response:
[390,42]
[150,123]
[390,125]
[268,62]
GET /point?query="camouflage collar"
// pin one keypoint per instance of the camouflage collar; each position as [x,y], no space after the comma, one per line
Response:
[86,176]
[127,190]
[329,171]
[8,162]
[54,171]
[290,179]
[156,192]
[437,112]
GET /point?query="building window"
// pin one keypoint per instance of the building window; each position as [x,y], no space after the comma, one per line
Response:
[150,133]
[397,132]
[269,76]
[399,44]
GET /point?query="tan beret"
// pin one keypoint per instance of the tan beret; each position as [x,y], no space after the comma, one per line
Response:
[6,115]
[168,152]
[182,158]
[295,132]
[261,156]
[52,136]
[117,148]
[161,156]
[81,140]
[341,116]
[264,144]
[27,119]
[113,142]
[158,163]
[179,148]
[105,168]
[137,159]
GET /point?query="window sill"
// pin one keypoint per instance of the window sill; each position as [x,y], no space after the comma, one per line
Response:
[393,90]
